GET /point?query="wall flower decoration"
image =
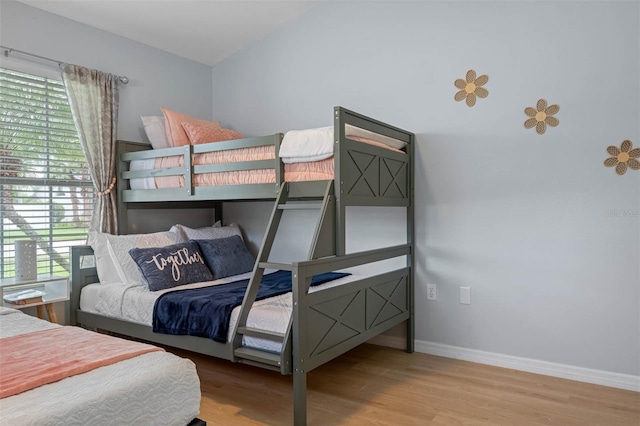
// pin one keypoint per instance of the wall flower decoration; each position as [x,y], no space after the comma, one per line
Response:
[623,157]
[471,88]
[541,116]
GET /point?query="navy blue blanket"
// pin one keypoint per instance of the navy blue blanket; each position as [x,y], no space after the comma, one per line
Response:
[206,311]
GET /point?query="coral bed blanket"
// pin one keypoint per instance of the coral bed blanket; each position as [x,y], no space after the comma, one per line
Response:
[35,359]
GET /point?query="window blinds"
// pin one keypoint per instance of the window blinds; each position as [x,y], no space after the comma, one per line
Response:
[46,191]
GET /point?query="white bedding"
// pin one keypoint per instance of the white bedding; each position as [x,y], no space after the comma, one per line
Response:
[142,183]
[301,146]
[156,388]
[135,303]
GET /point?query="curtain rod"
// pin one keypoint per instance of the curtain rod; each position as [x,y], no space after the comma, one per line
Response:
[8,50]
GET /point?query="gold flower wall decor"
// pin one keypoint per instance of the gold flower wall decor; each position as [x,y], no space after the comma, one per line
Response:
[541,116]
[471,88]
[623,157]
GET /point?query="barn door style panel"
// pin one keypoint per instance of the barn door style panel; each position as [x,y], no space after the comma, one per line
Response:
[353,317]
[374,173]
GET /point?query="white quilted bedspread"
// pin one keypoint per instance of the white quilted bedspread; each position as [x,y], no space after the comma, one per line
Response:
[156,388]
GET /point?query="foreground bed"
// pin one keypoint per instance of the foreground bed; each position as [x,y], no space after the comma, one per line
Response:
[324,323]
[156,388]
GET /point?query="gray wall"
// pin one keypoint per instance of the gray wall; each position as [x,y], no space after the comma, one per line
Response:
[546,236]
[156,78]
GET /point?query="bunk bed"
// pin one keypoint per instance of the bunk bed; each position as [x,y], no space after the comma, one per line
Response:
[324,322]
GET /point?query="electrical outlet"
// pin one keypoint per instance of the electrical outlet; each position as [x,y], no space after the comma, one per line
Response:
[432,292]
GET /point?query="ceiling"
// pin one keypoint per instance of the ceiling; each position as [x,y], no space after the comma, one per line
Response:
[205,31]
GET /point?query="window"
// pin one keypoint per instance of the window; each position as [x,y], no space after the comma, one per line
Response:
[46,191]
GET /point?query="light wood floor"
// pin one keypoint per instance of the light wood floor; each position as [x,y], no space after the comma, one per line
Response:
[374,385]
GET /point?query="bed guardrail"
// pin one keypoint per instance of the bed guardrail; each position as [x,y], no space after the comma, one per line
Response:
[131,151]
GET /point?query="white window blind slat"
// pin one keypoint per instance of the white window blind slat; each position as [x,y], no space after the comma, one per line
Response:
[45,187]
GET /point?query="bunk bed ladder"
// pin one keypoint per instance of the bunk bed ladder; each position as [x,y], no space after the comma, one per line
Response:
[322,245]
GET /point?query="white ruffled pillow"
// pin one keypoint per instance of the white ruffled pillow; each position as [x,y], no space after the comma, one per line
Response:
[155,130]
[107,272]
[119,246]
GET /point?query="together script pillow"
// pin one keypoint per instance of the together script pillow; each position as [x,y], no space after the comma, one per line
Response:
[226,257]
[171,266]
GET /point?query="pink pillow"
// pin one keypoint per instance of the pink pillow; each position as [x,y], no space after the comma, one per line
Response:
[203,133]
[173,127]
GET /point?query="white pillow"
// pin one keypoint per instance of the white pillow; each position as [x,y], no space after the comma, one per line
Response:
[107,273]
[154,128]
[119,246]
[207,233]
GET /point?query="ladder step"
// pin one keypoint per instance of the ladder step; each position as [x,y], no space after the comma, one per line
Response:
[272,265]
[263,334]
[263,357]
[300,206]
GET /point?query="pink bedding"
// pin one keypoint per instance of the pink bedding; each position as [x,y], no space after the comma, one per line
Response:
[222,178]
[293,172]
[317,170]
[34,359]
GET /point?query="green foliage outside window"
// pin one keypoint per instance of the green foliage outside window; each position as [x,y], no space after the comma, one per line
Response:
[46,191]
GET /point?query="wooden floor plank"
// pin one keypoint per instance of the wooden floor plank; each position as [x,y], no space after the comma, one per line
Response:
[374,385]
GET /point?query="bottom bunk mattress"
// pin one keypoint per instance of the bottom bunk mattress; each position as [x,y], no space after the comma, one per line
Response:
[155,388]
[135,303]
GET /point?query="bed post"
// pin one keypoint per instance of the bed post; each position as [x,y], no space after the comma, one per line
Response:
[341,210]
[279,169]
[299,398]
[80,277]
[122,208]
[300,284]
[217,211]
[411,258]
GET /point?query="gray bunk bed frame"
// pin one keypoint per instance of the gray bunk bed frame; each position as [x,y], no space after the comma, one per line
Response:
[324,324]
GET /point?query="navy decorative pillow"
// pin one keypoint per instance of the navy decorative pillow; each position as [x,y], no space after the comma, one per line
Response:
[226,257]
[171,266]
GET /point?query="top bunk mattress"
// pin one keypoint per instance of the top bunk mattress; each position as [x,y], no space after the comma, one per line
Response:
[294,172]
[307,155]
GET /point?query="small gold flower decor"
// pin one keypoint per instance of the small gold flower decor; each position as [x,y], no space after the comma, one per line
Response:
[541,116]
[623,157]
[471,88]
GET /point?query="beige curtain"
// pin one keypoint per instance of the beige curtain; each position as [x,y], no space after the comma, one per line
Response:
[93,96]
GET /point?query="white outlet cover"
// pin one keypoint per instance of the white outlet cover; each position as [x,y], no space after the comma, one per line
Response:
[432,292]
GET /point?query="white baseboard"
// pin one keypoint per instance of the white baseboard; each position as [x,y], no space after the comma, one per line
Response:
[564,371]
